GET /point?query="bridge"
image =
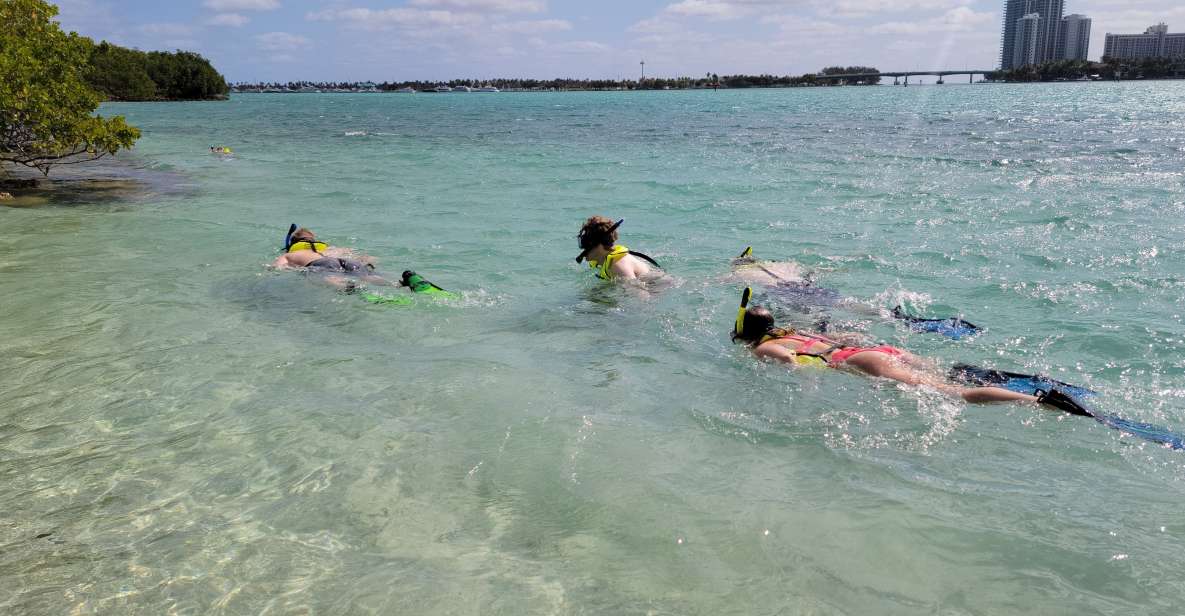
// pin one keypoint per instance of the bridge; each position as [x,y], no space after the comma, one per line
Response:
[907,74]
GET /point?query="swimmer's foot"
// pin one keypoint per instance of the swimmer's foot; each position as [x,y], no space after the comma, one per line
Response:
[1062,402]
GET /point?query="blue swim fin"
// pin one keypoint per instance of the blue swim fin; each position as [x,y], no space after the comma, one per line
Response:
[953,327]
[1067,404]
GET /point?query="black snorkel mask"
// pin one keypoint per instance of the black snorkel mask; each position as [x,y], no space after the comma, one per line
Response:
[587,242]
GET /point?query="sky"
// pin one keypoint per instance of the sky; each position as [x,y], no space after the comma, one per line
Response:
[397,40]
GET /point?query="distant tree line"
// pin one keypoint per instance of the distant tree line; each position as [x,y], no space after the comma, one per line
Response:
[123,74]
[709,80]
[1109,68]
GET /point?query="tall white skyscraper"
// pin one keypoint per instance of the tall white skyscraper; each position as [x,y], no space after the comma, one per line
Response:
[1050,36]
[1025,45]
[1073,38]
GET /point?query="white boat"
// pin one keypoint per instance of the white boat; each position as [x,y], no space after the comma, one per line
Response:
[406,90]
[442,89]
[462,89]
[487,89]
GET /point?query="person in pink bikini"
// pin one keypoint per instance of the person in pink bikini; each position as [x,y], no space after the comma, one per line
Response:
[755,326]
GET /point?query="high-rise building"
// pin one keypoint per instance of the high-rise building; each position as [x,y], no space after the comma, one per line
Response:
[1049,37]
[1024,46]
[1073,38]
[1155,42]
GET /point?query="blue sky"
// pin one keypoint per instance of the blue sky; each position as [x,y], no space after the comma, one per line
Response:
[392,40]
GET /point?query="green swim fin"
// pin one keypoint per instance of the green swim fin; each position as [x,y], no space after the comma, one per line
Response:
[386,300]
[418,284]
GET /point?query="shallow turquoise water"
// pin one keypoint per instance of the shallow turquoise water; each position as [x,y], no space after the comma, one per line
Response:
[185,431]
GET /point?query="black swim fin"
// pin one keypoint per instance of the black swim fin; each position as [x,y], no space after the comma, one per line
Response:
[1062,402]
[1014,381]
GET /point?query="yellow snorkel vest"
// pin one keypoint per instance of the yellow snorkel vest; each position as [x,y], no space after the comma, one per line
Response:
[314,246]
[739,328]
[618,253]
[800,359]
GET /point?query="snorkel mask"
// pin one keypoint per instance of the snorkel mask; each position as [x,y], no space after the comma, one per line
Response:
[587,242]
[739,328]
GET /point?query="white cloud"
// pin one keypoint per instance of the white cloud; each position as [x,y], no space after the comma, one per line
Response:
[533,27]
[487,6]
[961,19]
[578,47]
[396,18]
[707,8]
[233,20]
[655,25]
[864,8]
[797,24]
[281,41]
[223,6]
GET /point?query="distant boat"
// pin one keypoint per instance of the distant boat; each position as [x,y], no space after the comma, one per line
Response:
[487,89]
[462,89]
[406,90]
[442,89]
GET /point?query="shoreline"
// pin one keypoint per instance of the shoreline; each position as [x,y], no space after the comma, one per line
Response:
[773,87]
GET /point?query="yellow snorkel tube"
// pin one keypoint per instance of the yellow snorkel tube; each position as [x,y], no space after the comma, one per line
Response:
[739,328]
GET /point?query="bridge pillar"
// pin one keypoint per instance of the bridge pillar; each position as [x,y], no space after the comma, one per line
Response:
[907,81]
[896,81]
[971,78]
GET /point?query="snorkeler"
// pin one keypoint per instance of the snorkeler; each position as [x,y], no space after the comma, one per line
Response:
[786,283]
[302,249]
[610,260]
[755,326]
[343,268]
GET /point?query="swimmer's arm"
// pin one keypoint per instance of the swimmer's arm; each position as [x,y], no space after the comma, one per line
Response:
[281,262]
[775,352]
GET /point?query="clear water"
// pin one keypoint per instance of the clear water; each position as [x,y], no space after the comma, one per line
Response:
[185,431]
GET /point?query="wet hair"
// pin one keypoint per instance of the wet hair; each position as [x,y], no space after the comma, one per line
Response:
[302,235]
[758,322]
[597,231]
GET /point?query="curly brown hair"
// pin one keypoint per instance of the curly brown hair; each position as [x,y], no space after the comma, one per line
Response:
[598,230]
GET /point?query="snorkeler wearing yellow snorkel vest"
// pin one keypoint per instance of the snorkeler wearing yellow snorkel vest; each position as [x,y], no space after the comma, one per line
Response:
[344,268]
[303,249]
[610,260]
